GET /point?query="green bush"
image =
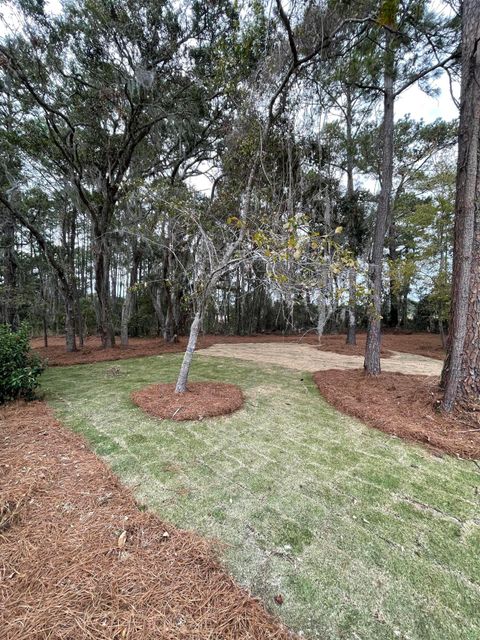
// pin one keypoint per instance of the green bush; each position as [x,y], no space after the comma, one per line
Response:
[19,367]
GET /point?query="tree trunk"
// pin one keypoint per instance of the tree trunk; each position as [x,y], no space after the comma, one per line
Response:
[45,329]
[10,267]
[70,322]
[405,308]
[352,317]
[128,304]
[352,275]
[181,386]
[157,305]
[373,347]
[101,252]
[442,331]
[127,309]
[460,375]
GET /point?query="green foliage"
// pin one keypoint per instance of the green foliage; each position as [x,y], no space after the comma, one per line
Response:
[19,368]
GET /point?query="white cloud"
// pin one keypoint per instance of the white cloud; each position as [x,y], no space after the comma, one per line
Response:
[421,106]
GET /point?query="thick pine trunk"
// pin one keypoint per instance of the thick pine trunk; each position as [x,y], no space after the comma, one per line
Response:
[45,329]
[169,332]
[181,386]
[373,347]
[468,391]
[460,372]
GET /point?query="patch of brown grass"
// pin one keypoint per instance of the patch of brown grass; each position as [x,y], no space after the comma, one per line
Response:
[78,559]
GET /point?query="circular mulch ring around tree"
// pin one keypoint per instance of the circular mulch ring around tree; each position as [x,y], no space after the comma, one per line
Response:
[202,400]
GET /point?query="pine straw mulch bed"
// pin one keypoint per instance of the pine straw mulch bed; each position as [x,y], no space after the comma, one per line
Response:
[420,344]
[337,344]
[201,400]
[404,406]
[78,559]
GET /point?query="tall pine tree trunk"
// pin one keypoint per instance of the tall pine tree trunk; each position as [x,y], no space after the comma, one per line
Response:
[461,372]
[352,274]
[373,347]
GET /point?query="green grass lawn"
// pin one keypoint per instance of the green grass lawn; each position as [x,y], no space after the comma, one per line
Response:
[365,536]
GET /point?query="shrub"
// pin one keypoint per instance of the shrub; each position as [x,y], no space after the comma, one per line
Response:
[19,367]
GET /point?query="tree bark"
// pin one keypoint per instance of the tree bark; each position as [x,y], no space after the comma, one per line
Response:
[10,267]
[70,321]
[101,253]
[352,316]
[156,299]
[460,375]
[181,386]
[128,304]
[352,274]
[373,347]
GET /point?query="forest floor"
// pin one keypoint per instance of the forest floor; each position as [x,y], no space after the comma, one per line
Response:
[79,559]
[342,530]
[425,344]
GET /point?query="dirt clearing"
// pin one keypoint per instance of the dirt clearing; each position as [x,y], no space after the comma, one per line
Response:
[78,559]
[202,400]
[403,406]
[305,357]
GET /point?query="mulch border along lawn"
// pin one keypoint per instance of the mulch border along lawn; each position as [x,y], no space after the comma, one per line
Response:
[79,558]
[201,400]
[403,406]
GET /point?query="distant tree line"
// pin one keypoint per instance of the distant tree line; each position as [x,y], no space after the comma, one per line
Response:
[167,168]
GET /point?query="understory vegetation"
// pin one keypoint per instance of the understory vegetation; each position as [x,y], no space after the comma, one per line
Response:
[362,534]
[19,367]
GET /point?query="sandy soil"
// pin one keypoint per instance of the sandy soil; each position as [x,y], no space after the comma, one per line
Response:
[308,358]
